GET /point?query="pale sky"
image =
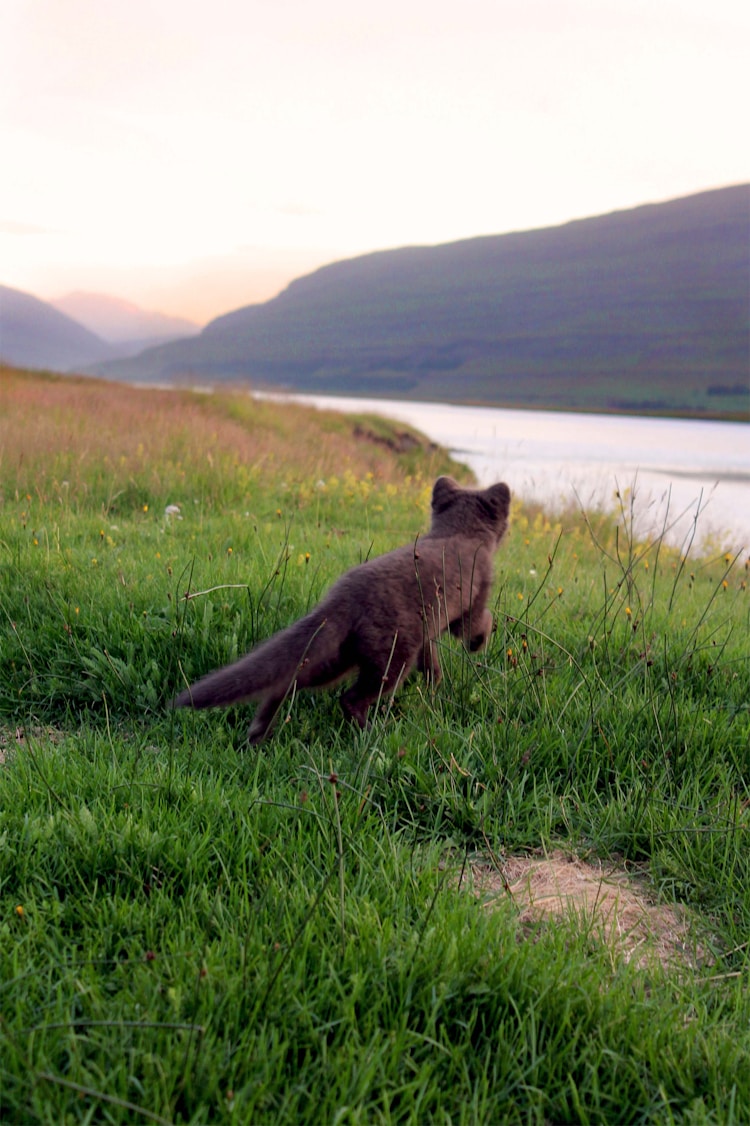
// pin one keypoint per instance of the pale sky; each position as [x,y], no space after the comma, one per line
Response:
[193,156]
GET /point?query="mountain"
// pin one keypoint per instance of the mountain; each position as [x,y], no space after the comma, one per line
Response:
[637,310]
[121,322]
[35,335]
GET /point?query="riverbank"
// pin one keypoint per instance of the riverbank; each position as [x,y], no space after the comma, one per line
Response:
[687,479]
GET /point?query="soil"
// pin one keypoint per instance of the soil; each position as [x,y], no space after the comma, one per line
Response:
[612,902]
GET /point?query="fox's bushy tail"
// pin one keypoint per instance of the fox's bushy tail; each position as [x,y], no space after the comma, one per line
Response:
[272,666]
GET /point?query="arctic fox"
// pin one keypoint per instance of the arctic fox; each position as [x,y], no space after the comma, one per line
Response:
[380,620]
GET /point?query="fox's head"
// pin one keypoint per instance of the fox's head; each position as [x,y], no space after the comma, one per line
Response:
[477,513]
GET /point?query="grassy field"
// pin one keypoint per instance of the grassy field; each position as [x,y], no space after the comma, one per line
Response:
[333,928]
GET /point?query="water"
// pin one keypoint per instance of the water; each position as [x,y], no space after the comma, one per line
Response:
[686,475]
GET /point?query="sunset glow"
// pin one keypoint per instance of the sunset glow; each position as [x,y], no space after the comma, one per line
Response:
[196,158]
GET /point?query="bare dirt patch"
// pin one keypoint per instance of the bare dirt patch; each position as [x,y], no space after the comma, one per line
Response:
[13,738]
[613,905]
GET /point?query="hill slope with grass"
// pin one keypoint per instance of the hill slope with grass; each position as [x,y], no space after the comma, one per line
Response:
[641,310]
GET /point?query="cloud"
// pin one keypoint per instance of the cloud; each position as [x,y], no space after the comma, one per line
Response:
[11,227]
[298,210]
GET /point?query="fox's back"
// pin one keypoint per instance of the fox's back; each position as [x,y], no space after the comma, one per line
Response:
[400,586]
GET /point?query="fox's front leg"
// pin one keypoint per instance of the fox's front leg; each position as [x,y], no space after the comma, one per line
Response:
[428,662]
[481,635]
[474,628]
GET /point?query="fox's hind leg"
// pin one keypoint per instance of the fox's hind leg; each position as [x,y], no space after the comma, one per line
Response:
[375,681]
[310,674]
[264,718]
[357,700]
[327,674]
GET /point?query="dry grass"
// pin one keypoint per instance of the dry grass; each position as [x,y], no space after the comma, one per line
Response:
[55,428]
[611,904]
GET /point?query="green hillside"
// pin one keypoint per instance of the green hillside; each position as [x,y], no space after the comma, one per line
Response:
[641,310]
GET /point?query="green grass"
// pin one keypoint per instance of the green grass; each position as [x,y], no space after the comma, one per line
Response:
[193,932]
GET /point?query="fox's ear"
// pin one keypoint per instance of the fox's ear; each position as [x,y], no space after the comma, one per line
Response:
[498,498]
[443,492]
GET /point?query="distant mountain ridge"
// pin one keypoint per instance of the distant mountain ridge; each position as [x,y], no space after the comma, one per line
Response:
[43,334]
[643,309]
[35,335]
[120,322]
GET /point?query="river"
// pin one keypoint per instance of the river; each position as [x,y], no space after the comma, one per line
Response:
[685,475]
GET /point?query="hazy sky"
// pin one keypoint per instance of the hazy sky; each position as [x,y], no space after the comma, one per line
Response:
[195,156]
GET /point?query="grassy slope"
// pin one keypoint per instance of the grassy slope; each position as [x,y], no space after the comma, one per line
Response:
[214,935]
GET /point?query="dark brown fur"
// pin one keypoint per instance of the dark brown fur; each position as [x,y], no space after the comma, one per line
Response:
[381,620]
